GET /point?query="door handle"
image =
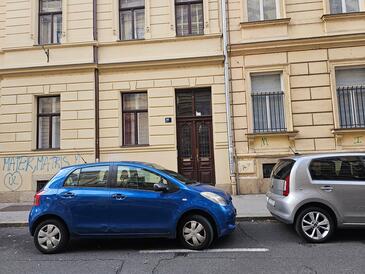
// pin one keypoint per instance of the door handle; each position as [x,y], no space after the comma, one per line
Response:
[68,195]
[118,196]
[327,188]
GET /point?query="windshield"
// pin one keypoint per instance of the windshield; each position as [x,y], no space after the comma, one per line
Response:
[174,174]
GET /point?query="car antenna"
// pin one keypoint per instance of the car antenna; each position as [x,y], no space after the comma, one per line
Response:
[78,154]
[295,153]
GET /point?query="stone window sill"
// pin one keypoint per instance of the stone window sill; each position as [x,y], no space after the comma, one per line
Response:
[262,23]
[339,16]
[348,130]
[290,134]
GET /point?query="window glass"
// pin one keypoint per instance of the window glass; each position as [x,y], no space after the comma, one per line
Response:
[351,97]
[137,178]
[337,168]
[132,21]
[189,17]
[135,119]
[253,10]
[261,10]
[50,5]
[73,178]
[48,122]
[267,169]
[203,106]
[342,6]
[282,169]
[266,82]
[50,21]
[267,102]
[269,9]
[94,176]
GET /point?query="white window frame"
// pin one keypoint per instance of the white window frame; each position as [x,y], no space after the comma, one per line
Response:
[278,5]
[343,4]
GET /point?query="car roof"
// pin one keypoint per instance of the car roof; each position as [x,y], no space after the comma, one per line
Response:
[110,163]
[323,155]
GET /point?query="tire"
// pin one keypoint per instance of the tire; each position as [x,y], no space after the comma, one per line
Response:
[53,241]
[202,227]
[315,225]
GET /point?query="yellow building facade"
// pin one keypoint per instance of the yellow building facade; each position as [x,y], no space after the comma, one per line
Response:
[142,80]
[298,78]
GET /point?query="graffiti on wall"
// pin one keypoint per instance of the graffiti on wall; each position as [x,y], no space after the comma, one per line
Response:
[16,168]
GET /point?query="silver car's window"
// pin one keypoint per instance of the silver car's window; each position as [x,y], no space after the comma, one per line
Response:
[344,168]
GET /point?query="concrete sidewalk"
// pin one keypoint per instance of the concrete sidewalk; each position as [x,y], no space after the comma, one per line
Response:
[248,207]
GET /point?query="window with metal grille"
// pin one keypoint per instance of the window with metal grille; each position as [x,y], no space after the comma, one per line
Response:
[344,6]
[350,85]
[50,21]
[189,17]
[132,19]
[135,118]
[267,103]
[262,10]
[48,117]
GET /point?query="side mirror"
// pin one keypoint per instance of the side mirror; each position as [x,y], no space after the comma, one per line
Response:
[160,187]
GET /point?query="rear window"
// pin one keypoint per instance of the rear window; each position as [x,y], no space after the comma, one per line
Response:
[346,168]
[282,169]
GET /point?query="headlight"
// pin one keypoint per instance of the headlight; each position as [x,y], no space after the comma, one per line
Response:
[215,198]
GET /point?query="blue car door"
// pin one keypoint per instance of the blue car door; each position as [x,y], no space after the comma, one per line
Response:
[84,197]
[136,209]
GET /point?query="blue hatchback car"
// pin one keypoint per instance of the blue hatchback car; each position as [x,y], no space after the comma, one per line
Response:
[128,199]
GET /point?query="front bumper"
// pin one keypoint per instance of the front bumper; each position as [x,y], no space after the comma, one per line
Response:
[228,224]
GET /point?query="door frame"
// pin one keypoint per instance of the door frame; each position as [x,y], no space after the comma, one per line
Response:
[193,120]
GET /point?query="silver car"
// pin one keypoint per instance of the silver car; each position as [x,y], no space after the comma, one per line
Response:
[319,193]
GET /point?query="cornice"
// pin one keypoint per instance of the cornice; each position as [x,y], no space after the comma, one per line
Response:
[50,46]
[202,60]
[319,42]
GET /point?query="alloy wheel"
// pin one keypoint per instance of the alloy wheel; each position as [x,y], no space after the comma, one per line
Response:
[315,225]
[194,233]
[49,237]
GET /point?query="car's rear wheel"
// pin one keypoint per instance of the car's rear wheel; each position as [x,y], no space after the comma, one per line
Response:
[196,232]
[50,236]
[315,225]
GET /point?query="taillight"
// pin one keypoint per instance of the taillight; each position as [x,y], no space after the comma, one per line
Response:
[286,186]
[37,198]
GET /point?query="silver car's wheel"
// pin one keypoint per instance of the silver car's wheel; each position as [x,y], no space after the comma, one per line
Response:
[315,225]
[49,237]
[194,233]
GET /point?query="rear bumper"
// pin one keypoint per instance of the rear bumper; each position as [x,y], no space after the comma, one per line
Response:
[280,207]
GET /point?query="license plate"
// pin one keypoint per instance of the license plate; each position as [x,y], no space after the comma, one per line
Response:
[271,202]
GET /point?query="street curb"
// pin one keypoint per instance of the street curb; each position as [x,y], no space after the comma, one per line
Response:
[253,218]
[13,224]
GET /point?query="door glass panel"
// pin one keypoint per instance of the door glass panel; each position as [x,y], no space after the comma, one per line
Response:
[203,105]
[185,149]
[73,179]
[137,178]
[94,176]
[204,140]
[184,102]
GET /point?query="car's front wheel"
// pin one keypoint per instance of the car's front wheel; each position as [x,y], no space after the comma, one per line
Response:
[315,225]
[196,232]
[50,236]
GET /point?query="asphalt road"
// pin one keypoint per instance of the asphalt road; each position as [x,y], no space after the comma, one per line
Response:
[255,247]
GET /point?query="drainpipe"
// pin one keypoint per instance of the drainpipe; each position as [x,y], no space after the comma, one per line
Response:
[96,83]
[227,91]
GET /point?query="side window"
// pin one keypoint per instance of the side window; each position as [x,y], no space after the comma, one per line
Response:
[89,177]
[338,168]
[137,178]
[73,178]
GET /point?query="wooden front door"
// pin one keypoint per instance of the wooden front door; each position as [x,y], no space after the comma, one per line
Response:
[195,134]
